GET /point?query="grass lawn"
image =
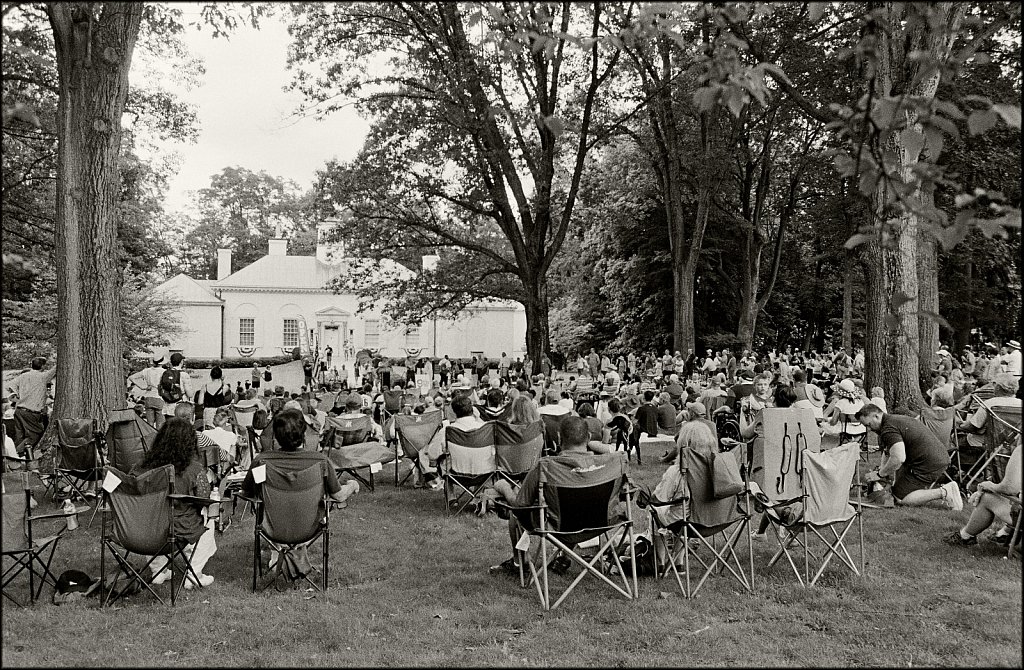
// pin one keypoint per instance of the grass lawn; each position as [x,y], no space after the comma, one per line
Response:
[410,587]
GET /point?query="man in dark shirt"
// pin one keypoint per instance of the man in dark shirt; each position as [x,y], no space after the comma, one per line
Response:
[914,455]
[574,436]
[674,389]
[740,390]
[647,415]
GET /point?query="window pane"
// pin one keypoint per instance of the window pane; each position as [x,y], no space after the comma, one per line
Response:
[372,334]
[247,332]
[291,333]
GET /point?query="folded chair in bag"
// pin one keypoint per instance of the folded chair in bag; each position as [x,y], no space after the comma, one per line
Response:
[826,478]
[142,511]
[416,433]
[576,504]
[128,439]
[705,506]
[292,513]
[347,446]
[79,459]
[517,449]
[22,549]
[1002,430]
[467,465]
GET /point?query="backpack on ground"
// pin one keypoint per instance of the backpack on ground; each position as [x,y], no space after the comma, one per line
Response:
[170,386]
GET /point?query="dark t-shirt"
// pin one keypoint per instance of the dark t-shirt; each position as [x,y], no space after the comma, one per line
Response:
[647,419]
[667,417]
[925,454]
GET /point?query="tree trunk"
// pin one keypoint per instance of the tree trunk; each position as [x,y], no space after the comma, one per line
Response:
[964,325]
[748,294]
[927,302]
[537,331]
[894,298]
[684,262]
[94,45]
[847,302]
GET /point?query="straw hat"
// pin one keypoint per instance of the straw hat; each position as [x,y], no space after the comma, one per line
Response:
[815,395]
[848,397]
[1014,344]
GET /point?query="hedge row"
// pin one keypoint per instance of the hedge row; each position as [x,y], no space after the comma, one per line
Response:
[225,363]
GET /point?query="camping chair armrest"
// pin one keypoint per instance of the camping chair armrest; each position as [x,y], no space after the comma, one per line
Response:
[195,500]
[516,508]
[655,502]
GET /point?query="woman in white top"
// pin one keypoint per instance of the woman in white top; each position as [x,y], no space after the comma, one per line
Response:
[221,433]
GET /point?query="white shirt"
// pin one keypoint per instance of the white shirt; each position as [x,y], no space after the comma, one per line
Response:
[148,380]
[1013,362]
[225,439]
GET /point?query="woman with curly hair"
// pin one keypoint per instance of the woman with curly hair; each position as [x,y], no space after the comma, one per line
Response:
[175,444]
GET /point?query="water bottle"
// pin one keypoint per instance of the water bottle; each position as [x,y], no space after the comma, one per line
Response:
[213,512]
[72,518]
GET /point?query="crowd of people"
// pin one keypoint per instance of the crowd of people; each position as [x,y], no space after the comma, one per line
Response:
[606,403]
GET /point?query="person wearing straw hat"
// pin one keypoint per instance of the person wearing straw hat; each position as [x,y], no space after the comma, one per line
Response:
[1012,358]
[944,363]
[839,416]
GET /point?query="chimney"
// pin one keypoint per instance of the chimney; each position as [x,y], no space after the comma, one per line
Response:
[278,246]
[223,263]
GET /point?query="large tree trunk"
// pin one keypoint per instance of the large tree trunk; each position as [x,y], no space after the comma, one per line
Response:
[847,302]
[94,44]
[927,302]
[684,263]
[537,331]
[748,280]
[894,298]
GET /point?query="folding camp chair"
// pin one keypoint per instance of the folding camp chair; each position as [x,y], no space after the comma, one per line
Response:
[22,550]
[702,516]
[576,504]
[79,460]
[347,446]
[292,513]
[468,464]
[552,433]
[128,439]
[142,508]
[826,478]
[1002,429]
[416,433]
[503,413]
[517,449]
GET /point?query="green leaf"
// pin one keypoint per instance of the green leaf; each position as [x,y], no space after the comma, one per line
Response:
[981,120]
[936,317]
[705,98]
[736,101]
[815,10]
[981,58]
[555,125]
[858,239]
[913,142]
[884,112]
[1010,114]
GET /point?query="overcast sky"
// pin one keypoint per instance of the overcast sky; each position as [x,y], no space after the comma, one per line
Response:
[244,114]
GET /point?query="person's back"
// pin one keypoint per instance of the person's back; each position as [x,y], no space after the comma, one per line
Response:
[925,453]
[666,417]
[647,415]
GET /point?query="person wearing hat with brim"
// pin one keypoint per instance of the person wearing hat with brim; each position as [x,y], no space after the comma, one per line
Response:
[743,387]
[148,381]
[839,417]
[808,395]
[1012,359]
[944,363]
[1004,387]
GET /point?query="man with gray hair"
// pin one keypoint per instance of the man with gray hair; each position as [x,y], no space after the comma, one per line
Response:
[1003,388]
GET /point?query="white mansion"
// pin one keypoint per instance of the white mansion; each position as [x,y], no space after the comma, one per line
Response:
[279,302]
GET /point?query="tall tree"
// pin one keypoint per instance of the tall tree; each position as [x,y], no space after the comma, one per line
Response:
[94,44]
[482,124]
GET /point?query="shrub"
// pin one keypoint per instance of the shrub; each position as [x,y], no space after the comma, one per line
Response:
[137,364]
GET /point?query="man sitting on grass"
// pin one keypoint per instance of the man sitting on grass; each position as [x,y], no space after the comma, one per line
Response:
[913,456]
[574,435]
